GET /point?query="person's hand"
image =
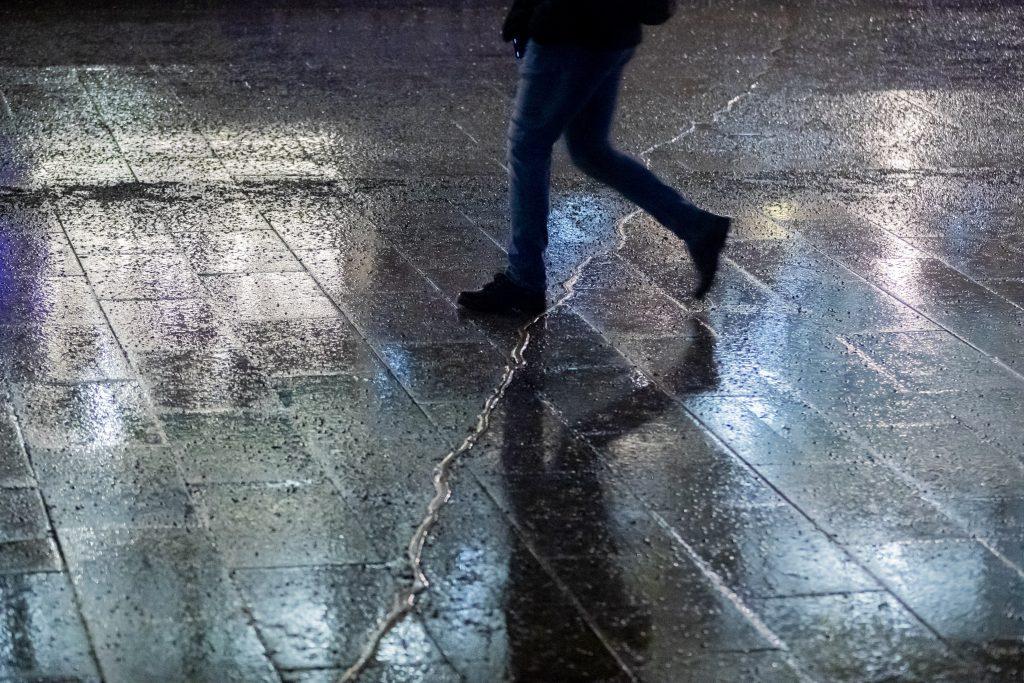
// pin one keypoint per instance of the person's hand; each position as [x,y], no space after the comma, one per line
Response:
[517,23]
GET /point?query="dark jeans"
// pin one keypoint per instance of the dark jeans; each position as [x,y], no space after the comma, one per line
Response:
[572,90]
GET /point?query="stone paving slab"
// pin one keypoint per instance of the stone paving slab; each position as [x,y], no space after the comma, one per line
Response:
[230,243]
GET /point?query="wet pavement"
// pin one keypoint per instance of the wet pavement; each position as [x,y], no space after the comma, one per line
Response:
[230,242]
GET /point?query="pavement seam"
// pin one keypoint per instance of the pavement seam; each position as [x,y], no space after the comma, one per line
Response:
[103,122]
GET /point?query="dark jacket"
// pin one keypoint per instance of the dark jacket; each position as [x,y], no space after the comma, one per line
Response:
[599,24]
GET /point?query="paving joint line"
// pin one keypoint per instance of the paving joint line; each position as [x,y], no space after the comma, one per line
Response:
[103,122]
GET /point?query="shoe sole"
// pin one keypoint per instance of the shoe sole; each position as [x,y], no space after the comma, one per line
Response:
[513,310]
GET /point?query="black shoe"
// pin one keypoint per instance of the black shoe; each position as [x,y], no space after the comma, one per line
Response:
[706,248]
[501,295]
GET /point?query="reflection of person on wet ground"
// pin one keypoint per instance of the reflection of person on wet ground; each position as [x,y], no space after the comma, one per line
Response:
[574,53]
[554,479]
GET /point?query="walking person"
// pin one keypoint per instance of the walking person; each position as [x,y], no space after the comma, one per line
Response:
[573,55]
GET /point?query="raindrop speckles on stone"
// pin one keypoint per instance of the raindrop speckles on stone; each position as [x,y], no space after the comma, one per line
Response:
[231,363]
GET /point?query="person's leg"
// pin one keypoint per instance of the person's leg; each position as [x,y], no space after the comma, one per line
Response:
[555,81]
[588,138]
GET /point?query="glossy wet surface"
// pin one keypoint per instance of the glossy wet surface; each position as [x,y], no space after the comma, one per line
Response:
[229,246]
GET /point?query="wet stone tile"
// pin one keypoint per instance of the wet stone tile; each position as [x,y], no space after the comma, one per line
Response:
[382,672]
[493,609]
[689,616]
[135,487]
[768,666]
[612,272]
[268,525]
[172,168]
[252,251]
[15,471]
[434,372]
[808,429]
[22,516]
[105,240]
[239,447]
[957,587]
[856,636]
[163,568]
[595,400]
[768,551]
[567,342]
[65,353]
[770,432]
[191,380]
[632,313]
[933,361]
[350,600]
[265,287]
[349,272]
[648,428]
[1008,546]
[309,398]
[685,365]
[169,326]
[593,517]
[394,441]
[940,457]
[63,300]
[1010,289]
[992,414]
[269,296]
[36,254]
[405,654]
[165,275]
[990,516]
[160,606]
[32,555]
[528,437]
[316,346]
[43,637]
[93,415]
[830,293]
[387,317]
[860,503]
[677,485]
[454,420]
[306,221]
[880,407]
[390,503]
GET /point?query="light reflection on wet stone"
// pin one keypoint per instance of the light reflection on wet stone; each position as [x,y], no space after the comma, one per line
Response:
[229,356]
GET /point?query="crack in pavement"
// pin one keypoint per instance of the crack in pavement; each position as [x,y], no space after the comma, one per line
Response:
[405,599]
